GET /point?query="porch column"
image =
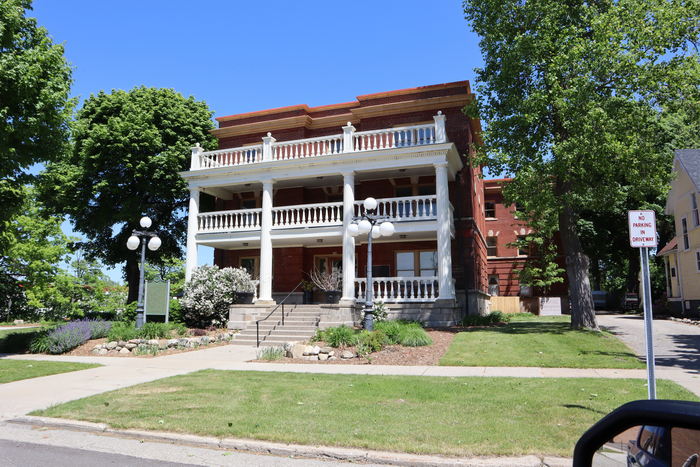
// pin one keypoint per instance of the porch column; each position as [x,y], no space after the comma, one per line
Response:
[266,244]
[444,246]
[192,218]
[348,240]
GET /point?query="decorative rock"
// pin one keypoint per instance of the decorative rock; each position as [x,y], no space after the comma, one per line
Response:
[102,351]
[205,340]
[182,342]
[97,347]
[297,351]
[323,356]
[118,348]
[310,357]
[124,351]
[172,342]
[134,341]
[111,345]
[346,354]
[95,350]
[162,345]
[331,353]
[326,350]
[152,342]
[130,345]
[18,321]
[332,358]
[121,344]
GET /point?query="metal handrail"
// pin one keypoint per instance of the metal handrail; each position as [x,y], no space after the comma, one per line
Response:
[280,304]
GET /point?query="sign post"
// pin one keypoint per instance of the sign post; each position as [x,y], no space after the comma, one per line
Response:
[642,228]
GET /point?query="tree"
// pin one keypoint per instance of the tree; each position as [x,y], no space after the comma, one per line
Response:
[128,149]
[36,246]
[572,93]
[35,83]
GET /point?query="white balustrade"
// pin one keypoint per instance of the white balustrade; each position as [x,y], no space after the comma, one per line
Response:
[310,147]
[398,289]
[227,221]
[407,208]
[390,138]
[307,215]
[230,157]
[373,140]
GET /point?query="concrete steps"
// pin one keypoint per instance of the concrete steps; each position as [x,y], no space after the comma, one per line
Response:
[300,323]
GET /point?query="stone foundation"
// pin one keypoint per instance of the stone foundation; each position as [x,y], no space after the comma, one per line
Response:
[239,316]
[478,303]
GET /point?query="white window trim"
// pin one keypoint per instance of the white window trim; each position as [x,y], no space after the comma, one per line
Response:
[685,234]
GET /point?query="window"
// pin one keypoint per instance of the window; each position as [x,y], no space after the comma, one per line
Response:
[491,246]
[416,263]
[697,260]
[694,202]
[684,228]
[524,249]
[490,209]
[251,264]
[673,272]
[493,285]
[329,264]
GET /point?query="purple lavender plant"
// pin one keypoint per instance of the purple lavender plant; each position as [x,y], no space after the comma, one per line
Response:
[71,335]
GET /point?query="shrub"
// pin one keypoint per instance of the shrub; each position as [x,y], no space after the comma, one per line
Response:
[154,331]
[40,343]
[368,342]
[492,318]
[122,331]
[198,332]
[209,293]
[271,353]
[391,329]
[379,311]
[338,336]
[414,336]
[69,336]
[179,328]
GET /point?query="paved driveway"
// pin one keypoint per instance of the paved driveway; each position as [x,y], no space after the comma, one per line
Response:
[676,346]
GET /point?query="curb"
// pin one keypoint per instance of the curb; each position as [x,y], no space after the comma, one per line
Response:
[296,450]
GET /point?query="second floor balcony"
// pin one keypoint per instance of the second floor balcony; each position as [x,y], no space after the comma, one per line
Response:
[397,210]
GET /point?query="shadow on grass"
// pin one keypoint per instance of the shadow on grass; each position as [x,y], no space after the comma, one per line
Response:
[608,354]
[529,328]
[583,407]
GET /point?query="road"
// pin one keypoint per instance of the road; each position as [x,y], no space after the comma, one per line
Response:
[23,445]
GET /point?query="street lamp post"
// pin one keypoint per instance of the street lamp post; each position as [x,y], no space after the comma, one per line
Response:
[365,224]
[140,237]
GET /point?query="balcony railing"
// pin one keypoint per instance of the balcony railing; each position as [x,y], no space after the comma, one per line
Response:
[399,289]
[347,142]
[404,208]
[409,208]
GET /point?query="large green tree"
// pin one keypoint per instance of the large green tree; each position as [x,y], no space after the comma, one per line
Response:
[35,83]
[572,94]
[127,150]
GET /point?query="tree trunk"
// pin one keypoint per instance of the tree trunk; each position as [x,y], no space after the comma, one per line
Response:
[132,278]
[577,262]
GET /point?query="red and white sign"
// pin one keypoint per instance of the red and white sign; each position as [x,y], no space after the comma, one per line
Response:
[642,228]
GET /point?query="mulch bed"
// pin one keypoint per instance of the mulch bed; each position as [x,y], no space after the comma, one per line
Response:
[428,355]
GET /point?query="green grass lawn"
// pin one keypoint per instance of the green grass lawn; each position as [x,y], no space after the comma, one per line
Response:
[15,370]
[452,416]
[545,341]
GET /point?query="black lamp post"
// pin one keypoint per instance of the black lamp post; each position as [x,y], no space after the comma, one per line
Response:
[366,223]
[142,237]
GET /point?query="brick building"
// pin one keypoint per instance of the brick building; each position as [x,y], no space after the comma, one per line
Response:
[279,195]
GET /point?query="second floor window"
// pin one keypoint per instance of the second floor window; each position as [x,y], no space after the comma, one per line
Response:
[684,229]
[694,205]
[523,248]
[697,260]
[491,246]
[490,209]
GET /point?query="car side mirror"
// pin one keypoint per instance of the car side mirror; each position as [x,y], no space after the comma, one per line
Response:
[643,433]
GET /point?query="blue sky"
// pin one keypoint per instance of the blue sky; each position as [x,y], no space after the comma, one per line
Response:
[241,56]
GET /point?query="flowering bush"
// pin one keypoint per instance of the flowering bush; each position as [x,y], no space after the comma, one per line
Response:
[71,335]
[209,293]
